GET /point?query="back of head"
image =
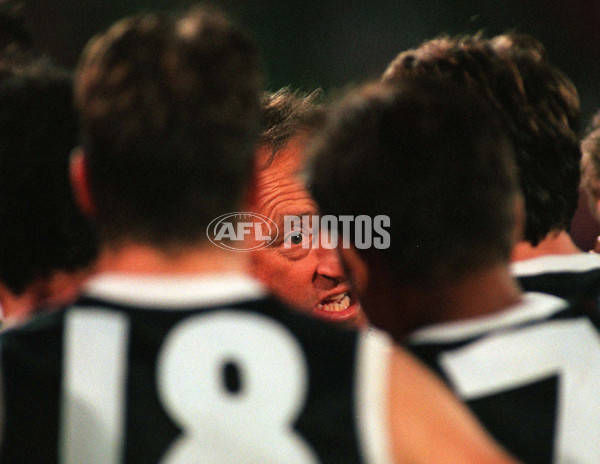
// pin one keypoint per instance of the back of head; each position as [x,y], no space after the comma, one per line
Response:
[42,230]
[169,109]
[432,157]
[538,104]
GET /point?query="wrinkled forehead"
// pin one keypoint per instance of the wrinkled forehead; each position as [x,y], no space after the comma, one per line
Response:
[280,190]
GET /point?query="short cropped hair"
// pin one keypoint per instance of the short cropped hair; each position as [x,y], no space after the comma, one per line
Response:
[170,117]
[538,103]
[42,230]
[286,114]
[434,158]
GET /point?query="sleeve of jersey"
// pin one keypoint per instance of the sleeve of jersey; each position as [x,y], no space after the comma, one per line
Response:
[373,357]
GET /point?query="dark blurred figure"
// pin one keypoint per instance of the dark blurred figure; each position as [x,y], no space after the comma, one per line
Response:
[540,107]
[441,167]
[47,246]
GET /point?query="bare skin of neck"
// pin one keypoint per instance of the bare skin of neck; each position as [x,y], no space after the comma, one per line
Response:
[60,288]
[132,258]
[555,243]
[480,294]
[483,292]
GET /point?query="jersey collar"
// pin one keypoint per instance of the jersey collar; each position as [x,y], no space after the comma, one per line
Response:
[174,291]
[578,262]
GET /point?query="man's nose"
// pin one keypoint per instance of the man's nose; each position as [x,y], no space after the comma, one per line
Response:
[329,272]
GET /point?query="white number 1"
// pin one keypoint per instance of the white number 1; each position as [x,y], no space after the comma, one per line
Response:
[251,424]
[568,349]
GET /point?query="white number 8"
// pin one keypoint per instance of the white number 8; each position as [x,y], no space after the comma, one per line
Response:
[253,424]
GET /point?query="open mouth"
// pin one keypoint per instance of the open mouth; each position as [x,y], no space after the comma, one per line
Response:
[342,309]
[335,303]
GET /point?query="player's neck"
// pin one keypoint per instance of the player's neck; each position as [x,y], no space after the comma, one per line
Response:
[555,243]
[134,258]
[479,294]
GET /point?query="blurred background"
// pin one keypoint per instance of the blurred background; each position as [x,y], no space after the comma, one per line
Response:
[332,43]
[335,43]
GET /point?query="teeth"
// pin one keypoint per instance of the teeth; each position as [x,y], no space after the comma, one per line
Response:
[343,303]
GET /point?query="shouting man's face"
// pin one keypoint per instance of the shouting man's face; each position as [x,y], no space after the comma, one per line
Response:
[310,278]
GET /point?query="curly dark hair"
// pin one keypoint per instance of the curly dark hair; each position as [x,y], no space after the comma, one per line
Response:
[538,104]
[170,117]
[42,229]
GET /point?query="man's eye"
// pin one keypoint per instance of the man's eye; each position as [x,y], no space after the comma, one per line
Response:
[296,245]
[296,239]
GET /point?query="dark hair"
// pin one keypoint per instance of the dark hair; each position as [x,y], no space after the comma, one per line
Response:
[538,104]
[42,230]
[432,157]
[287,113]
[170,114]
[13,33]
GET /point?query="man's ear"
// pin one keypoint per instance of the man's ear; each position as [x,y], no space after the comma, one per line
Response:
[80,182]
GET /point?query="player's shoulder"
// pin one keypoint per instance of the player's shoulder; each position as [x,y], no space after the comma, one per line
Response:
[33,349]
[45,324]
